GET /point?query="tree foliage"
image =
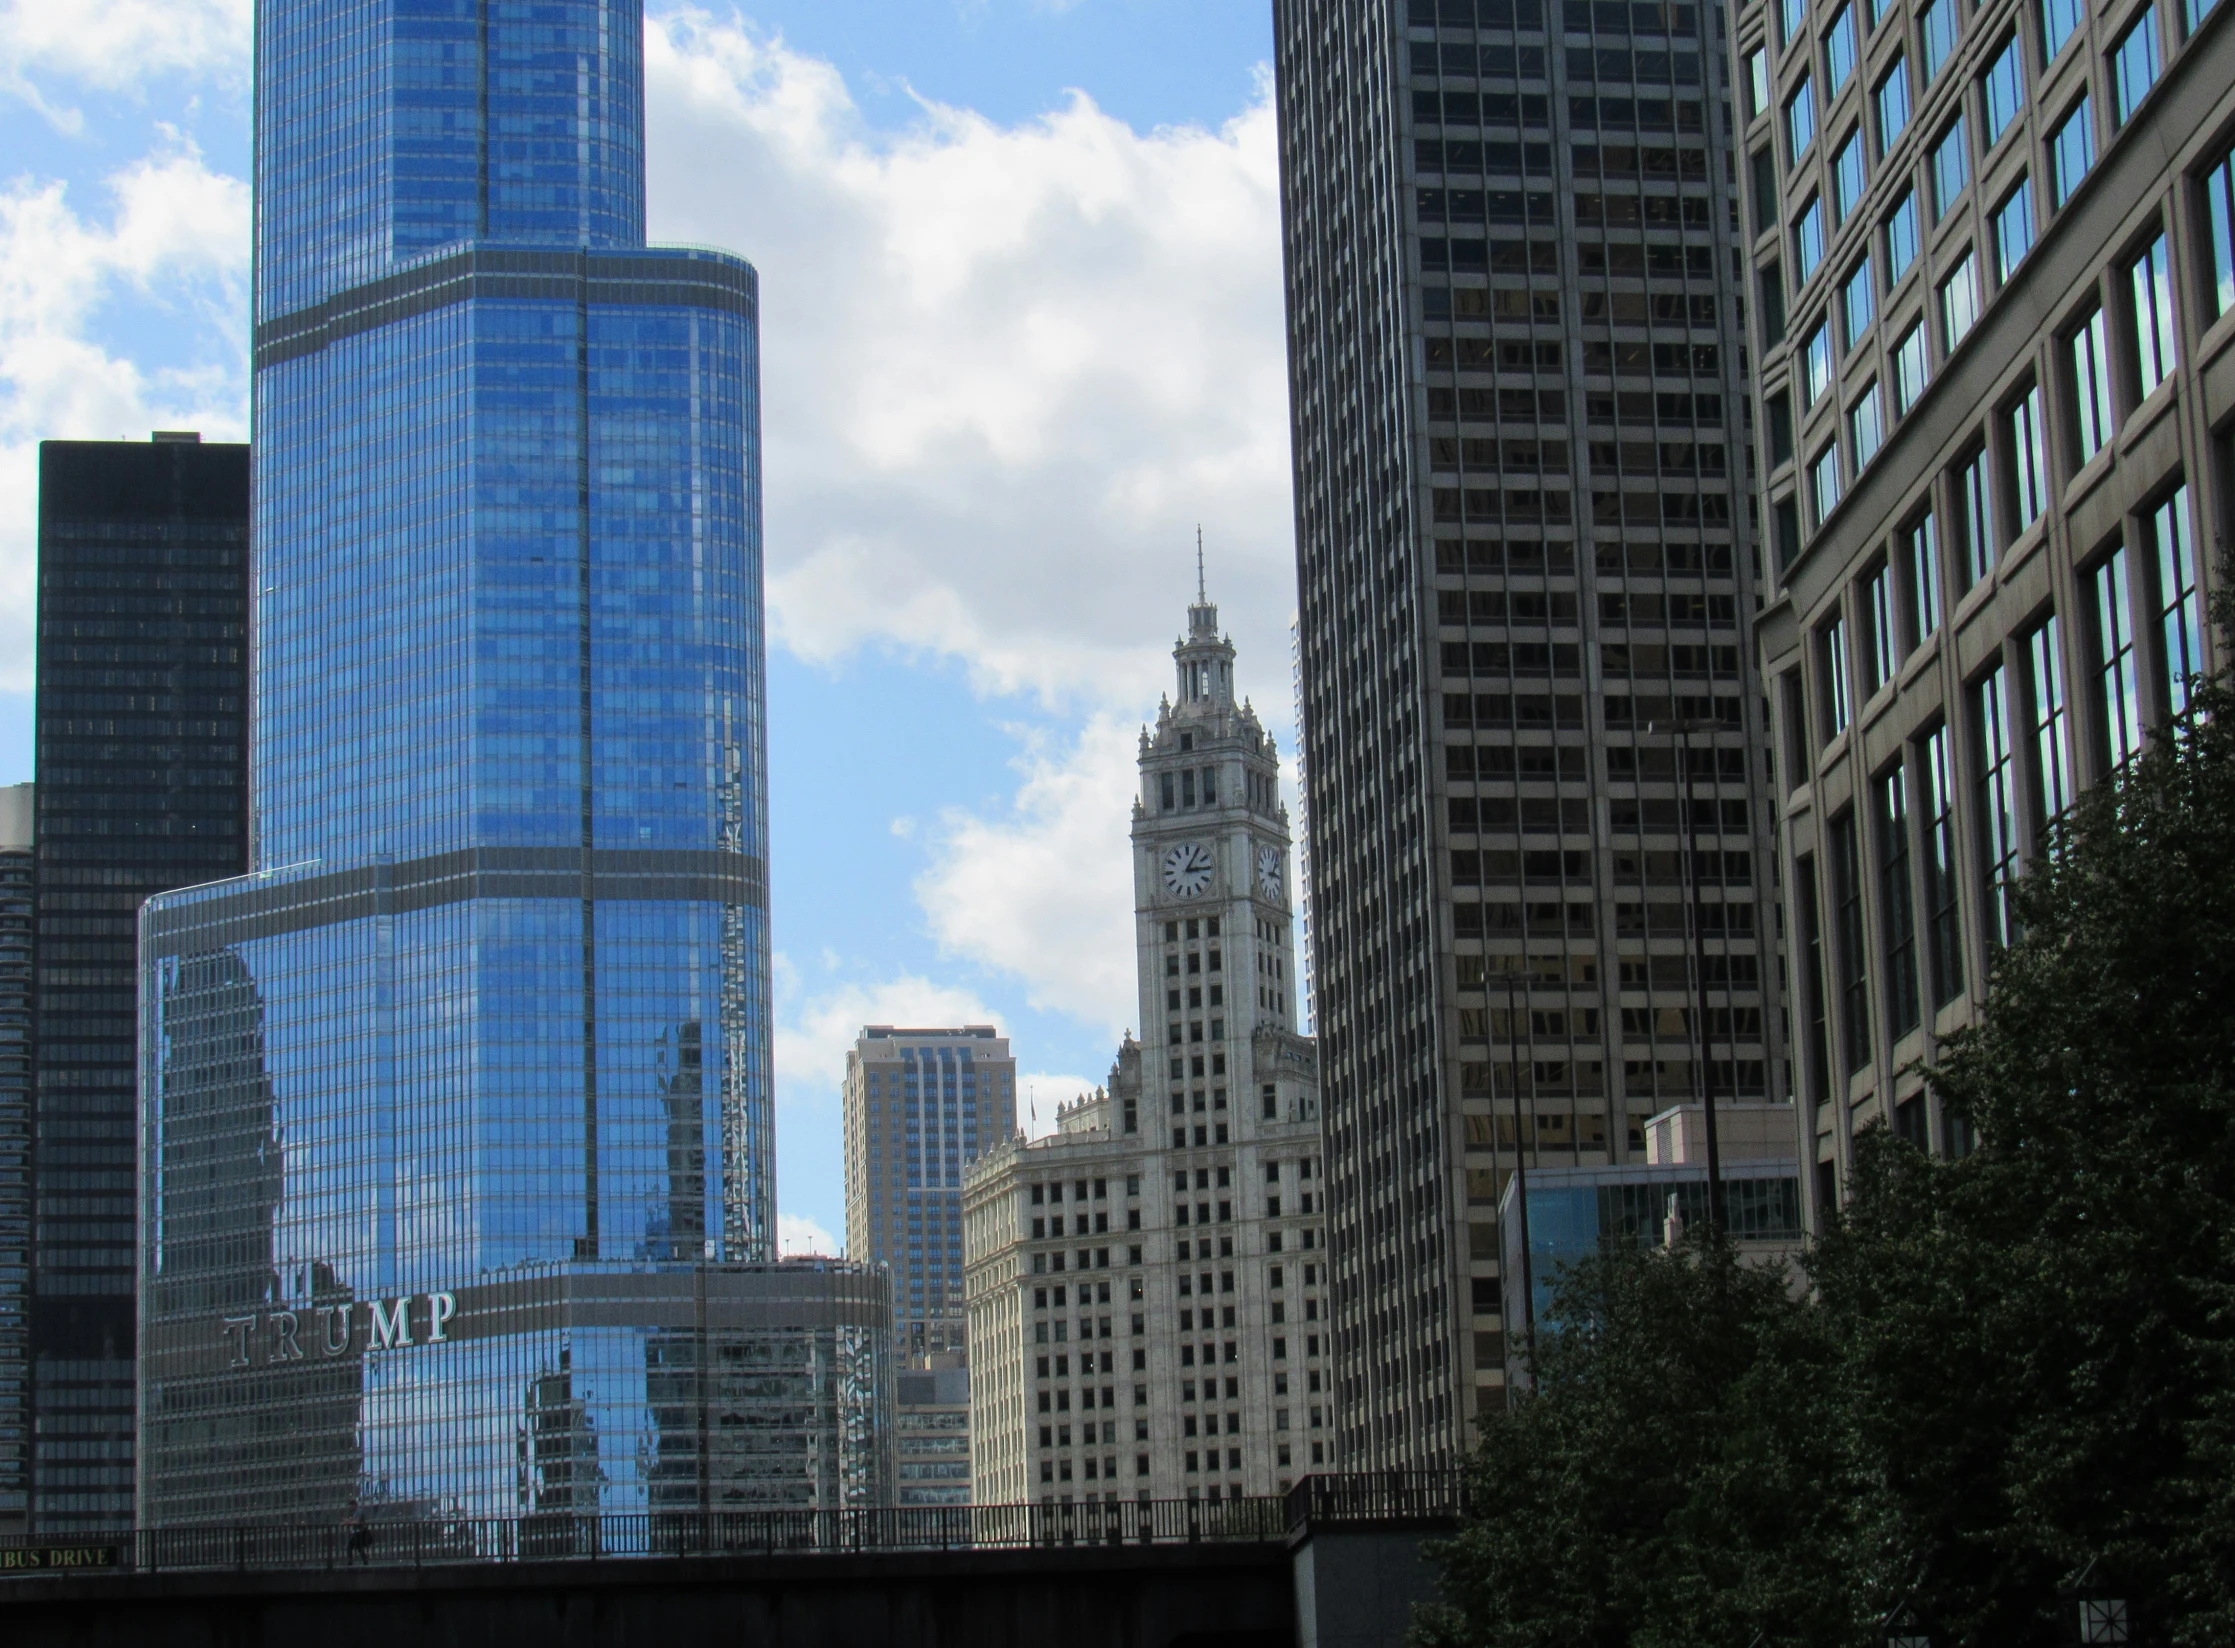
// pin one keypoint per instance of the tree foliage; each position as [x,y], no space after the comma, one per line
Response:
[2006,1367]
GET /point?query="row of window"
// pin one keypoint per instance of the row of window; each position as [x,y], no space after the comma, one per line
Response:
[2111,357]
[2070,152]
[2023,773]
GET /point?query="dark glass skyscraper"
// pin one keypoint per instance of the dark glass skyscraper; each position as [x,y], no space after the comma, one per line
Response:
[448,1106]
[1531,717]
[18,879]
[142,786]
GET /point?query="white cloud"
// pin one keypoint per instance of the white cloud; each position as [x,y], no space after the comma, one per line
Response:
[1043,890]
[172,254]
[1039,1094]
[797,1235]
[1007,369]
[815,1030]
[118,45]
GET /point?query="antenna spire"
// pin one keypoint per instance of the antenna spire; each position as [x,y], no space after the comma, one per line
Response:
[1201,599]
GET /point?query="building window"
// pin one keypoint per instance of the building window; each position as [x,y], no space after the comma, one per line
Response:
[1975,517]
[1910,369]
[1901,237]
[1866,427]
[1897,914]
[1823,482]
[2059,20]
[1816,1058]
[2029,458]
[2013,231]
[1922,553]
[1800,121]
[2193,12]
[2002,91]
[1839,51]
[2091,384]
[1757,83]
[1815,363]
[1831,651]
[1959,303]
[1943,908]
[2219,195]
[2052,763]
[2180,609]
[1847,934]
[2071,152]
[1893,104]
[1951,169]
[2118,691]
[1855,301]
[1808,240]
[2152,278]
[1936,35]
[1883,637]
[1791,14]
[2133,67]
[1998,812]
[1847,177]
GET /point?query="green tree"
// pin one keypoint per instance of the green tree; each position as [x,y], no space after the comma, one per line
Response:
[1678,1476]
[2009,1366]
[2038,1335]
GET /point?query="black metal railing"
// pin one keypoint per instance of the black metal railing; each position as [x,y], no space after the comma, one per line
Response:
[428,1541]
[1378,1496]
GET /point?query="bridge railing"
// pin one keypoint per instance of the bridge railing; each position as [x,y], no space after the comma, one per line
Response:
[389,1542]
[1378,1497]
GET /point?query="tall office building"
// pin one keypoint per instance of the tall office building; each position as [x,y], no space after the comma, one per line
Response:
[455,1111]
[1995,252]
[919,1106]
[18,883]
[142,761]
[1527,579]
[1147,1286]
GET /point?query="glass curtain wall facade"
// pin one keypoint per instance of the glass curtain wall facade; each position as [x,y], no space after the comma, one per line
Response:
[143,677]
[2047,496]
[1527,579]
[477,1055]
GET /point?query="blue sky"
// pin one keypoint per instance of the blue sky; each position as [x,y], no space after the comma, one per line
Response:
[1022,332]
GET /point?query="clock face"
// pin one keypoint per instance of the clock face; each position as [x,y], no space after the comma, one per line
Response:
[1268,871]
[1187,869]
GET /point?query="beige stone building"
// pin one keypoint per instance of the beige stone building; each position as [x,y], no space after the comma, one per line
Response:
[1147,1286]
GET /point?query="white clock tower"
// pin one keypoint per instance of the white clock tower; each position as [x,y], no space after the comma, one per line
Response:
[1212,913]
[1148,1288]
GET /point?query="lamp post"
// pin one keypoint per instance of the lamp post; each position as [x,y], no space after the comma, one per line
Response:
[1904,1627]
[2096,1612]
[1513,982]
[1685,775]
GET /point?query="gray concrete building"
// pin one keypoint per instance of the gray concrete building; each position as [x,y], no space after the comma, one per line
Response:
[1994,270]
[920,1105]
[18,898]
[931,1433]
[1147,1285]
[1528,575]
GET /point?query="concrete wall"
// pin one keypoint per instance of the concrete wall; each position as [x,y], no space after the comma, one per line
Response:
[1357,1589]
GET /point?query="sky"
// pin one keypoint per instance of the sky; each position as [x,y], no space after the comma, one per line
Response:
[1022,336]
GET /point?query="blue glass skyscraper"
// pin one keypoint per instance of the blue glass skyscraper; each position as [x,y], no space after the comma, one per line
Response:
[455,1127]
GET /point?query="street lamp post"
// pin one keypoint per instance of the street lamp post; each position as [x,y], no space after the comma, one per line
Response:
[1686,775]
[1513,983]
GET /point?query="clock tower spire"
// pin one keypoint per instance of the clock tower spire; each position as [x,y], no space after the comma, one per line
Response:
[1212,896]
